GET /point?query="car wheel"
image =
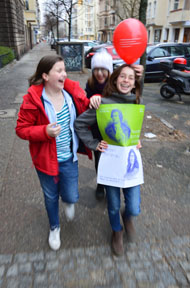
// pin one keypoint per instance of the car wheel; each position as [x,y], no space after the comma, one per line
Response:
[166,91]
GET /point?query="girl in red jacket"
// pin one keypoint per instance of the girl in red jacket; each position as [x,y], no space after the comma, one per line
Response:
[46,119]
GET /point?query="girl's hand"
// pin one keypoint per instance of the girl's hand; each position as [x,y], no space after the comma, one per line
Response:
[53,130]
[138,69]
[139,145]
[95,101]
[102,146]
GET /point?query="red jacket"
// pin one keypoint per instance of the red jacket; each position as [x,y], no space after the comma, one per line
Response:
[32,122]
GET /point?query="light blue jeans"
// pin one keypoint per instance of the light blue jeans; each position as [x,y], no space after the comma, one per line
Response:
[65,186]
[132,204]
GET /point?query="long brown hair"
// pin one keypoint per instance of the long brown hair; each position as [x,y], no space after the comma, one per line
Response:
[111,87]
[44,66]
[92,80]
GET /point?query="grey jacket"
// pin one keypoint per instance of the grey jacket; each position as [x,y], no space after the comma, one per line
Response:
[88,118]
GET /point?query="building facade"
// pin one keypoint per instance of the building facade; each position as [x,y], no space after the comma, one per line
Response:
[12,25]
[18,21]
[168,21]
[32,23]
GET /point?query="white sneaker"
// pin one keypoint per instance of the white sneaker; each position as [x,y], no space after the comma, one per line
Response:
[54,239]
[69,211]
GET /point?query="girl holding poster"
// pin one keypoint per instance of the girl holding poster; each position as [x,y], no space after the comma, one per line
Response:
[102,68]
[117,91]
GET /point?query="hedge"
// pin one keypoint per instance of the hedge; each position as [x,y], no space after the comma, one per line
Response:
[6,55]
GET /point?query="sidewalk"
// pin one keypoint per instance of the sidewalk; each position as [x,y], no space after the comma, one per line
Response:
[160,257]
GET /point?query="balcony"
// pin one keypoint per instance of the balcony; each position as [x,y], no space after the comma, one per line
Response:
[178,16]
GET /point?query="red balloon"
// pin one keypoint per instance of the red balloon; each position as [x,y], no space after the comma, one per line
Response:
[130,39]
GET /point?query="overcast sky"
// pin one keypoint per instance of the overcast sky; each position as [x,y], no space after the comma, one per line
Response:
[41,8]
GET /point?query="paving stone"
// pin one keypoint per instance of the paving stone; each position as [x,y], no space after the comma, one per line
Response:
[25,281]
[185,265]
[107,263]
[52,265]
[123,267]
[68,266]
[12,283]
[141,276]
[167,278]
[128,282]
[25,268]
[36,256]
[39,266]
[12,270]
[21,258]
[181,279]
[132,256]
[5,259]
[50,255]
[41,278]
[64,255]
[2,270]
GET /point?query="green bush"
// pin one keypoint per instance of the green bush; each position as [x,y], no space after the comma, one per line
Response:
[6,55]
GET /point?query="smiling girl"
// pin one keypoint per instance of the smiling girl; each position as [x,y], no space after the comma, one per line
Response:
[117,90]
[46,120]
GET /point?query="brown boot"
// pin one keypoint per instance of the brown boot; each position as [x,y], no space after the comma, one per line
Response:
[117,242]
[129,228]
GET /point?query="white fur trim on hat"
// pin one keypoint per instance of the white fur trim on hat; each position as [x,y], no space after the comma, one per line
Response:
[102,59]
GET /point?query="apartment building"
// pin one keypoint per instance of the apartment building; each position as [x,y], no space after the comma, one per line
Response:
[32,23]
[107,20]
[168,21]
[84,20]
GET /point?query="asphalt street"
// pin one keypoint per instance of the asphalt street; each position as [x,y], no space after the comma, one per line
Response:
[160,255]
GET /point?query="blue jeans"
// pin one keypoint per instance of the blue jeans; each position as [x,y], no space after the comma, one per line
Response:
[65,185]
[132,204]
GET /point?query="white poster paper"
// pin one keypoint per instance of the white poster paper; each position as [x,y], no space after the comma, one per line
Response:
[120,167]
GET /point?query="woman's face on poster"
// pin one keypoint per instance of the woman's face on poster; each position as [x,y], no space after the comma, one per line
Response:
[132,158]
[115,117]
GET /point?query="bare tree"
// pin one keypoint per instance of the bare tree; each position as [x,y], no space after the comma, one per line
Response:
[126,9]
[68,8]
[50,23]
[55,11]
[61,10]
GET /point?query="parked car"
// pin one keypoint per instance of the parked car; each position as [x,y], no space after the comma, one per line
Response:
[88,44]
[160,52]
[110,49]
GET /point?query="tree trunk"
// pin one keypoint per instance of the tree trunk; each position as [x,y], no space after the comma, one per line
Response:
[142,18]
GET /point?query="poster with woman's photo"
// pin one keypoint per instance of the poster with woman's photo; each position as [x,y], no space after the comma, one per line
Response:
[121,164]
[113,170]
[120,124]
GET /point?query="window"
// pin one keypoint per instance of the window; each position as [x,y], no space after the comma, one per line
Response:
[149,10]
[27,5]
[187,5]
[176,4]
[157,35]
[154,9]
[160,52]
[176,34]
[169,5]
[177,51]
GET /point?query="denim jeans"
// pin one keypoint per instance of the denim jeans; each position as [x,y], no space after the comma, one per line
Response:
[64,185]
[132,204]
